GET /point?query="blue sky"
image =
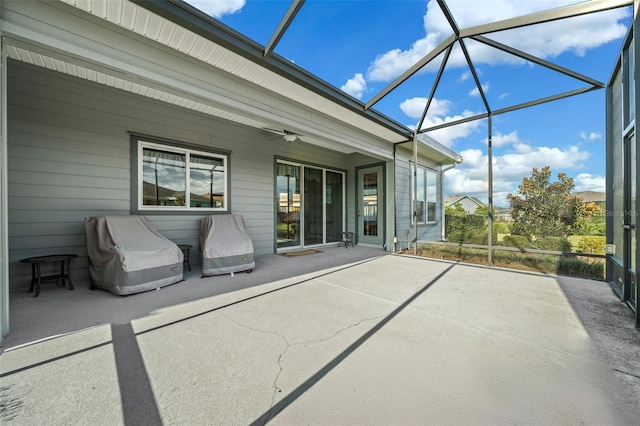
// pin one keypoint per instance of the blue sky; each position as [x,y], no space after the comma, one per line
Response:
[361,46]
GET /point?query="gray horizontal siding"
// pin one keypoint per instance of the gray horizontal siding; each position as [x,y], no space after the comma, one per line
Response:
[403,196]
[69,149]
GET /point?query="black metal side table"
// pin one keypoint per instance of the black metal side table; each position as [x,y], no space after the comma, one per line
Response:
[36,273]
[346,238]
[185,251]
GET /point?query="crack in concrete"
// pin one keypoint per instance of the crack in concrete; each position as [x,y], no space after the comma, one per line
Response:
[626,373]
[289,345]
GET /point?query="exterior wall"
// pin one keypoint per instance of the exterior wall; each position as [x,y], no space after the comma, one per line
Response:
[404,210]
[69,158]
[468,205]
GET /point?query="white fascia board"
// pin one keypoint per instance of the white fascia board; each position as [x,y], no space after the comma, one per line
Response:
[431,152]
[433,144]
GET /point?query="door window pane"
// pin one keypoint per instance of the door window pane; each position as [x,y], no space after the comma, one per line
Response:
[288,201]
[334,206]
[313,206]
[370,204]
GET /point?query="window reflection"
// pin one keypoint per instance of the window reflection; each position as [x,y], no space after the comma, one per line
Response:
[163,178]
[206,182]
[178,177]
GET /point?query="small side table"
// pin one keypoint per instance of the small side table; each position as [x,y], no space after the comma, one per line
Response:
[185,251]
[36,273]
[346,238]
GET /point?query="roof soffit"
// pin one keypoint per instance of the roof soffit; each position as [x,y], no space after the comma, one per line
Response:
[172,26]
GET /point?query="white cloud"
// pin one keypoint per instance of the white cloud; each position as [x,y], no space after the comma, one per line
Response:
[465,76]
[500,139]
[588,182]
[476,92]
[457,182]
[448,135]
[437,115]
[470,177]
[391,64]
[218,8]
[547,40]
[414,107]
[355,86]
[592,136]
[504,95]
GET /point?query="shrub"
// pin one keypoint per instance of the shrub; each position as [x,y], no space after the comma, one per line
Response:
[593,244]
[456,237]
[458,228]
[554,243]
[519,241]
[547,263]
[580,268]
[480,238]
[502,227]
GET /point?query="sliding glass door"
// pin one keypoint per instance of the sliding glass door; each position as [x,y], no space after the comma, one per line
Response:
[334,207]
[310,205]
[313,212]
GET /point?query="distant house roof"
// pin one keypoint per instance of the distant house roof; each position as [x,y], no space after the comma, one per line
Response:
[453,199]
[592,196]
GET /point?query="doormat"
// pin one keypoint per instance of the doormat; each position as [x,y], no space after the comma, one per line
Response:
[300,253]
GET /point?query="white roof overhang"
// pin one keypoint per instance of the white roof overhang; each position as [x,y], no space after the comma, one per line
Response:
[432,150]
[123,45]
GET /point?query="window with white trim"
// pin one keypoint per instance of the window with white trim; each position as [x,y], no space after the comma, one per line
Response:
[174,178]
[427,195]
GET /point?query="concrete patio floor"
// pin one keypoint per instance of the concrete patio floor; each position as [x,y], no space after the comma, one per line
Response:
[346,336]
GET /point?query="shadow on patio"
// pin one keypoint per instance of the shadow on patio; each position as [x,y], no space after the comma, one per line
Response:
[387,340]
[57,310]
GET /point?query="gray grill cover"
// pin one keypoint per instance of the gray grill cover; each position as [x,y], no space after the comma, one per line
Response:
[225,246]
[128,255]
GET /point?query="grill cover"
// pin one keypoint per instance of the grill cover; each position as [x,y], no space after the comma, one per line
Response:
[225,246]
[128,255]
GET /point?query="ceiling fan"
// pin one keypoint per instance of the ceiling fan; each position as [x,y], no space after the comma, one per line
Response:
[288,135]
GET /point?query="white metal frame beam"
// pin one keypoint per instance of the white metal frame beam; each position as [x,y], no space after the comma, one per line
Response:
[564,12]
[536,60]
[579,9]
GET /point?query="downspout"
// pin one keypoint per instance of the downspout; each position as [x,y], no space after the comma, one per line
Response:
[415,192]
[395,203]
[4,209]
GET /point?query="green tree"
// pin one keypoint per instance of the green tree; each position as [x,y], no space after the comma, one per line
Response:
[455,210]
[484,211]
[543,208]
